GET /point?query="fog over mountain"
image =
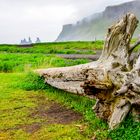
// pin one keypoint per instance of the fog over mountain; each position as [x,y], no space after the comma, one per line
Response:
[95,26]
[44,18]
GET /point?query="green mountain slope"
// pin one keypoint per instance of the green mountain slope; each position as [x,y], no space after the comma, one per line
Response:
[95,26]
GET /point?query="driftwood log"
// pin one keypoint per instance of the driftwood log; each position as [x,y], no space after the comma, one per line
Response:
[114,79]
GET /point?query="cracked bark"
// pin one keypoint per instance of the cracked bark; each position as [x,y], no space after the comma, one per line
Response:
[113,79]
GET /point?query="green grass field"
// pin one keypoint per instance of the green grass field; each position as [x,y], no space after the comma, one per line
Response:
[56,48]
[25,99]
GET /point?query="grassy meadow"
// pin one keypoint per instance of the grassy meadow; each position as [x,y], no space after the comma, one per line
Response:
[55,48]
[25,100]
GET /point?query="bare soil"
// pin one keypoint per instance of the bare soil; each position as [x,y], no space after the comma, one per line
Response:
[62,115]
[50,112]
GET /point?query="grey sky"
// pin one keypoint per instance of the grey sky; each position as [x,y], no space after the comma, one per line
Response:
[43,18]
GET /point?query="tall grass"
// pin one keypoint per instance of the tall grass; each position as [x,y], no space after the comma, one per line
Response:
[24,62]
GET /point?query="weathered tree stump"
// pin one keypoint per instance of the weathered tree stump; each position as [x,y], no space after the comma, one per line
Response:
[114,79]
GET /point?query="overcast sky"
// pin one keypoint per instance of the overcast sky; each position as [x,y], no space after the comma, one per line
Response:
[43,18]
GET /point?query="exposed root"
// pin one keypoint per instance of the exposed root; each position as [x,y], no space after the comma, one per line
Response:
[114,79]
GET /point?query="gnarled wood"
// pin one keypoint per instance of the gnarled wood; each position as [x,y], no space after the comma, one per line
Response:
[113,80]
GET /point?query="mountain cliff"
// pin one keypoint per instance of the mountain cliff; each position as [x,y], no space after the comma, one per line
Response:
[95,26]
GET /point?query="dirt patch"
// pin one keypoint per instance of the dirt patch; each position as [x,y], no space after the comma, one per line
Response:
[80,56]
[32,128]
[62,115]
[53,113]
[50,112]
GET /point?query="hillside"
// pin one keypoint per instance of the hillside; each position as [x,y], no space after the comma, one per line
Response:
[95,26]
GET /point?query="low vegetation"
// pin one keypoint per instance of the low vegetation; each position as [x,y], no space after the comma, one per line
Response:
[25,101]
[55,48]
[10,62]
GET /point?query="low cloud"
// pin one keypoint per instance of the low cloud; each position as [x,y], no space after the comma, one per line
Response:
[43,18]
